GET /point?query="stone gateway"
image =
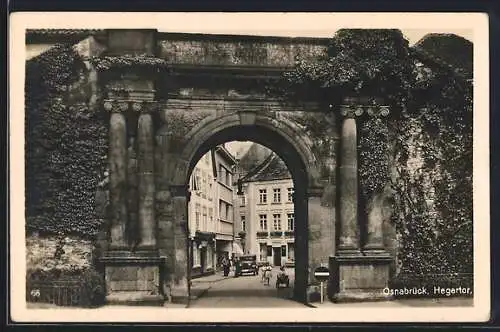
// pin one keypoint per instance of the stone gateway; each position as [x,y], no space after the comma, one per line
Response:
[170,98]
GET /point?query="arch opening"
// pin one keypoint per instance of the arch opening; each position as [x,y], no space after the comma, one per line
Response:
[297,167]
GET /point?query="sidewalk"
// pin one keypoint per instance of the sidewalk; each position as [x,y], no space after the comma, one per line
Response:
[201,285]
[218,276]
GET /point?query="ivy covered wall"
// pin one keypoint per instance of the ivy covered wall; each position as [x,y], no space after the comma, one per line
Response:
[66,145]
[417,164]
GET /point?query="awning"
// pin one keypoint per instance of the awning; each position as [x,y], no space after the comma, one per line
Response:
[237,250]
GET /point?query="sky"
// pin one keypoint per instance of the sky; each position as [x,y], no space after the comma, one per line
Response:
[412,35]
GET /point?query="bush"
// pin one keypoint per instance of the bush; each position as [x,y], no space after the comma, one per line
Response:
[82,288]
[94,287]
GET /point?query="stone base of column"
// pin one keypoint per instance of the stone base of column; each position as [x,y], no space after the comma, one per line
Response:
[180,294]
[133,278]
[361,277]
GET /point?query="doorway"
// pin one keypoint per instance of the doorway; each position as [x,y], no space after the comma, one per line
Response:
[277,256]
[203,259]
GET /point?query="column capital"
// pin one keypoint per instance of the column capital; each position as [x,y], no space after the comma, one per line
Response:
[125,105]
[381,110]
[353,111]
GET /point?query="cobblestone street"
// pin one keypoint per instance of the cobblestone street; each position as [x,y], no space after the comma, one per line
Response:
[247,291]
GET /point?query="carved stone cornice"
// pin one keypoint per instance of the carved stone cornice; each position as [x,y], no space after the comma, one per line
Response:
[226,105]
[137,106]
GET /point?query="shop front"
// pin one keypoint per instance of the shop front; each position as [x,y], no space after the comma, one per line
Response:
[202,257]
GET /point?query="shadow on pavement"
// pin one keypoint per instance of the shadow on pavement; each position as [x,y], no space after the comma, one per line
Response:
[285,293]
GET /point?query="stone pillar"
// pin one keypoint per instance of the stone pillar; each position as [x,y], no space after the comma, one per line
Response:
[349,228]
[180,287]
[118,174]
[145,144]
[132,276]
[357,275]
[302,278]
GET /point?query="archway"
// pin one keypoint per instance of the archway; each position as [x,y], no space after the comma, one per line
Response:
[279,141]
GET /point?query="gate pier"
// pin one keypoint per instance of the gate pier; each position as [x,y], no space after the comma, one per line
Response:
[358,272]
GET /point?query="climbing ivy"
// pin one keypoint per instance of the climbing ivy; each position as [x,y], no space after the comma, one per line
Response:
[423,151]
[373,156]
[66,145]
[143,61]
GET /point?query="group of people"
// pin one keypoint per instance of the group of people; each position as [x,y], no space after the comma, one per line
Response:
[267,273]
[266,269]
[226,265]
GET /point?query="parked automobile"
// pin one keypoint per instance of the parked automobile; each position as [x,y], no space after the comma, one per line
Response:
[248,264]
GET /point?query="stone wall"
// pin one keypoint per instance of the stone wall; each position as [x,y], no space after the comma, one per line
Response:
[40,252]
[234,51]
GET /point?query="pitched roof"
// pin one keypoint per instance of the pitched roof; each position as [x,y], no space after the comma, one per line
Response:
[272,168]
[35,36]
[254,156]
[448,50]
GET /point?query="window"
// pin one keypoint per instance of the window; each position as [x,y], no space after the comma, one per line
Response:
[243,225]
[225,176]
[210,256]
[283,251]
[277,195]
[196,255]
[204,185]
[263,222]
[228,213]
[205,218]
[262,196]
[277,222]
[291,221]
[242,202]
[222,210]
[197,216]
[291,251]
[198,182]
[195,181]
[222,173]
[269,251]
[263,252]
[211,219]
[290,194]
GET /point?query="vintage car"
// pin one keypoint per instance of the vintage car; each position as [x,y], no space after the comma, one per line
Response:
[248,264]
[282,279]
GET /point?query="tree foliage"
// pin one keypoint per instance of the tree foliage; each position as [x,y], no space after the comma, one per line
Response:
[423,150]
[66,145]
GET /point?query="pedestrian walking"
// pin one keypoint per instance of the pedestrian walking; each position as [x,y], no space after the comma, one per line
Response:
[225,266]
[237,267]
